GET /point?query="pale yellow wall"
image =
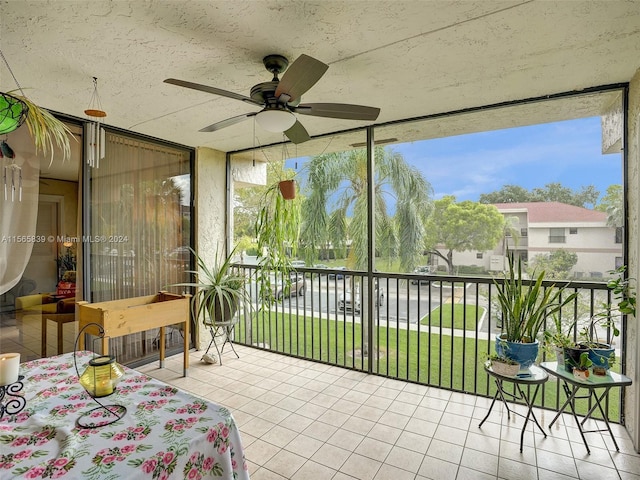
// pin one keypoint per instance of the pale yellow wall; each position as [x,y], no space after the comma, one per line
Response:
[210,212]
[632,397]
[68,190]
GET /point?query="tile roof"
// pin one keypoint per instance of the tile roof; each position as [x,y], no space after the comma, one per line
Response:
[540,212]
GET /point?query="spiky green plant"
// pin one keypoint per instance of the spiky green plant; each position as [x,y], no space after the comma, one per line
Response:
[525,306]
[219,289]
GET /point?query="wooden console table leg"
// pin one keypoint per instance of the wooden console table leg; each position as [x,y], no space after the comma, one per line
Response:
[161,340]
[44,337]
[60,324]
[186,348]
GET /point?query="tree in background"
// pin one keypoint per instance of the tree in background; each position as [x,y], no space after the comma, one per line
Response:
[555,192]
[612,204]
[462,226]
[335,210]
[556,264]
[507,194]
[552,192]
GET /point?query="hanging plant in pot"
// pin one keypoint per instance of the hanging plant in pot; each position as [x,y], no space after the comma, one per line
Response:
[287,189]
[46,130]
[524,307]
[277,230]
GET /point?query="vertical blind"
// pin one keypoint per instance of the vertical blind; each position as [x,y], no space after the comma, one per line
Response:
[139,218]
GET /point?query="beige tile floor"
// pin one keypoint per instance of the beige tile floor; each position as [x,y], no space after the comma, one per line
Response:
[302,420]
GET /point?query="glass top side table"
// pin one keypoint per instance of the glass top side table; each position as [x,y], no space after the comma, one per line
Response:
[534,376]
[572,385]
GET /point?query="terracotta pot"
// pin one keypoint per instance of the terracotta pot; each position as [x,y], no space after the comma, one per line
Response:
[581,374]
[288,189]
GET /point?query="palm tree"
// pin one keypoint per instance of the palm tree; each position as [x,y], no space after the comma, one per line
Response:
[335,210]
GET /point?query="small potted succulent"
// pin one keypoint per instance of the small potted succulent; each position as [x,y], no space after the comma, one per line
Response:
[581,371]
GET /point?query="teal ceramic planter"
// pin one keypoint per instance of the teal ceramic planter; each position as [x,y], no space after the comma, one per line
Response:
[601,355]
[523,353]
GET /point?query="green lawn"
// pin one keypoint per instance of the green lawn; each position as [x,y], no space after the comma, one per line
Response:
[425,356]
[463,318]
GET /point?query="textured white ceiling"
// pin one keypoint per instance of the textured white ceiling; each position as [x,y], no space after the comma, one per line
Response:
[410,58]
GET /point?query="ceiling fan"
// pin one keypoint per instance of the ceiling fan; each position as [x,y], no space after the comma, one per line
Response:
[280,98]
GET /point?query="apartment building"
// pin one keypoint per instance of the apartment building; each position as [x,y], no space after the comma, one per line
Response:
[541,228]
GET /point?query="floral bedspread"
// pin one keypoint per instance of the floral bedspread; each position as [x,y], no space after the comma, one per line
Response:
[166,433]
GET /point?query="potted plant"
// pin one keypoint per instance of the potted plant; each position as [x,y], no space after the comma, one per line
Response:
[219,289]
[504,366]
[45,129]
[573,354]
[557,338]
[601,351]
[277,230]
[524,307]
[581,371]
[287,189]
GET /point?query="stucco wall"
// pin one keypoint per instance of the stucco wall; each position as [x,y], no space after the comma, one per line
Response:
[632,396]
[210,211]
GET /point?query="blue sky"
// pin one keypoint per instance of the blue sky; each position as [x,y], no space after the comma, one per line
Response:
[568,152]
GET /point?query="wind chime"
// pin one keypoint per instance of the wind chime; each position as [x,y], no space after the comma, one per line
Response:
[95,137]
[11,173]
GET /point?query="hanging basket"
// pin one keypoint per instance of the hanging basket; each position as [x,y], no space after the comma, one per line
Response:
[288,189]
[13,113]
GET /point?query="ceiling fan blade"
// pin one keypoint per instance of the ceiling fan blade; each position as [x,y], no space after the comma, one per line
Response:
[297,133]
[338,110]
[227,123]
[300,77]
[215,91]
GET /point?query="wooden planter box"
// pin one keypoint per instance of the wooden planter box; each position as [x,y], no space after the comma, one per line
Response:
[138,314]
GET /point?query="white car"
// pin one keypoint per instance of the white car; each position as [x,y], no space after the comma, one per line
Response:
[347,303]
[422,270]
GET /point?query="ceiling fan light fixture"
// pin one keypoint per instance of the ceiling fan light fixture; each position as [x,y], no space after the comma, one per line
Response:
[276,120]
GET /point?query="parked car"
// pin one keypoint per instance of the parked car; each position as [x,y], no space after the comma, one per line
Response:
[318,266]
[298,264]
[422,270]
[348,304]
[338,275]
[296,286]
